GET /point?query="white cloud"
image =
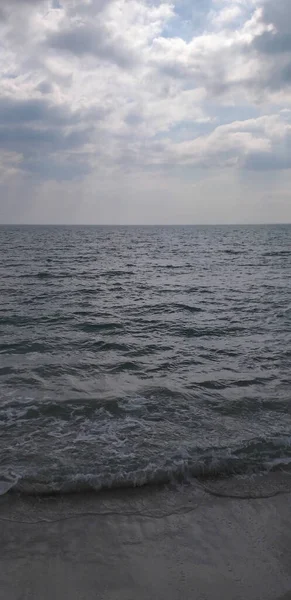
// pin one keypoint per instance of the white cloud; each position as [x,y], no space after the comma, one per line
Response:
[231,145]
[227,15]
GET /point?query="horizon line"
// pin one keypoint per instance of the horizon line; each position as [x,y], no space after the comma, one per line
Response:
[144,224]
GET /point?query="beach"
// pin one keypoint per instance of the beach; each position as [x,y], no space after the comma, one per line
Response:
[221,539]
[145,300]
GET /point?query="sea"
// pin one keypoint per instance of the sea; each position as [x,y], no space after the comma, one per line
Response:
[142,355]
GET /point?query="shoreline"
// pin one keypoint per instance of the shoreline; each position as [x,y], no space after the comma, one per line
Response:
[12,484]
[230,541]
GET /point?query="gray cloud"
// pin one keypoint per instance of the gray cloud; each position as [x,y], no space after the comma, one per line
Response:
[81,8]
[56,168]
[278,40]
[273,43]
[28,141]
[37,130]
[20,3]
[34,110]
[278,12]
[274,46]
[9,5]
[45,87]
[262,161]
[95,41]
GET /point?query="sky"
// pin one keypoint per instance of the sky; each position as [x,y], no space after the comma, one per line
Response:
[145,111]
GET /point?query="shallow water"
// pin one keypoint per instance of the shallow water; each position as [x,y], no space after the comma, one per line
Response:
[134,355]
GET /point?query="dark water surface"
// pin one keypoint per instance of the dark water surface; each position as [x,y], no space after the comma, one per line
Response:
[133,355]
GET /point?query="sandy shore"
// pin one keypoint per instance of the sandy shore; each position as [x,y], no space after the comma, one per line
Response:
[192,543]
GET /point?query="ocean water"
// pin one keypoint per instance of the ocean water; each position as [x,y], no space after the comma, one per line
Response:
[134,355]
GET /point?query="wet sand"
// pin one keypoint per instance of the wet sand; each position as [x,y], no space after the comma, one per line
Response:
[214,541]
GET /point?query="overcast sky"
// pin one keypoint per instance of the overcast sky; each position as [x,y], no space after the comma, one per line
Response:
[145,111]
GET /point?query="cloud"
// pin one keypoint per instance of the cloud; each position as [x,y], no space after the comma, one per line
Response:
[89,40]
[236,57]
[251,144]
[20,3]
[146,88]
[8,7]
[262,161]
[44,137]
[278,13]
[18,111]
[118,33]
[228,16]
[274,44]
[66,168]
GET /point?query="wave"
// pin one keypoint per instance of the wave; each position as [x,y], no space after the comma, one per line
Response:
[44,275]
[105,346]
[167,308]
[116,273]
[8,481]
[190,332]
[187,307]
[278,253]
[177,474]
[90,327]
[172,267]
[22,347]
[250,459]
[18,320]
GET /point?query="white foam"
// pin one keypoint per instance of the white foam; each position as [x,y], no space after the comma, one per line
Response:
[7,482]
